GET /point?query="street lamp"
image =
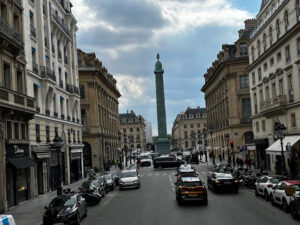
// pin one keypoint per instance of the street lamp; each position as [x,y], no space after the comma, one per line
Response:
[212,147]
[280,130]
[205,144]
[200,142]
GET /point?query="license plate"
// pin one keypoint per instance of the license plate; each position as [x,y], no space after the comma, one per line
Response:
[58,224]
[193,195]
[227,183]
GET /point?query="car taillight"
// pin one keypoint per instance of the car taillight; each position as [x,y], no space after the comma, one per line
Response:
[270,185]
[236,181]
[217,181]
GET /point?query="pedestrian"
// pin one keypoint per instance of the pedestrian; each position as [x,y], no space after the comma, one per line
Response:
[237,160]
[220,157]
[262,166]
[241,163]
[229,160]
[223,155]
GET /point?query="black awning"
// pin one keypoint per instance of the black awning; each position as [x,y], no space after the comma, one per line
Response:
[21,163]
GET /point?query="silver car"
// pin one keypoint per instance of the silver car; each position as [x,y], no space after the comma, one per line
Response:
[129,179]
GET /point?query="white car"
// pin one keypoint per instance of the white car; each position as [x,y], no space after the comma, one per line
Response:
[7,219]
[264,185]
[145,159]
[129,179]
[279,196]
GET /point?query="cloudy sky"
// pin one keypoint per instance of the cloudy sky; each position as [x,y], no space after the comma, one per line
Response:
[126,35]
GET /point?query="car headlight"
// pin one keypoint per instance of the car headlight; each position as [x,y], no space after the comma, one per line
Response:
[121,182]
[136,181]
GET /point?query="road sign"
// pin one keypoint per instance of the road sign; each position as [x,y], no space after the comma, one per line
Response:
[290,191]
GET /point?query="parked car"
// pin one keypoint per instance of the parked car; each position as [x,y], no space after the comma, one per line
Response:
[279,195]
[110,181]
[90,192]
[102,181]
[65,209]
[129,179]
[264,185]
[191,189]
[295,203]
[115,177]
[166,162]
[222,182]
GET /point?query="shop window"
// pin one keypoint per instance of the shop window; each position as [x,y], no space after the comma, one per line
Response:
[8,130]
[48,134]
[16,131]
[22,180]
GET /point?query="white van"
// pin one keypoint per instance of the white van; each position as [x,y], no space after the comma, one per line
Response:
[145,159]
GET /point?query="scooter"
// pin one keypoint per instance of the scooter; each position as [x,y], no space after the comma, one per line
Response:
[91,195]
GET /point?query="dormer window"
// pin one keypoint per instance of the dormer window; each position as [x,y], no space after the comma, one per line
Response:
[243,49]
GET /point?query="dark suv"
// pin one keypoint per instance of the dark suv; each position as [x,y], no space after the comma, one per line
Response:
[166,162]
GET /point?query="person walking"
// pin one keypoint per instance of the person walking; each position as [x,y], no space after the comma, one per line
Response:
[241,163]
[220,158]
[138,163]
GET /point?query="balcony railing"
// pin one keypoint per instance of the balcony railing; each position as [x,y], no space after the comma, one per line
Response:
[33,31]
[11,33]
[272,104]
[35,68]
[60,23]
[46,72]
[13,98]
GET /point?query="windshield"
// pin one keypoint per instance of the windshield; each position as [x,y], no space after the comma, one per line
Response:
[63,202]
[192,183]
[100,179]
[296,186]
[188,174]
[275,180]
[95,183]
[223,175]
[128,174]
[145,157]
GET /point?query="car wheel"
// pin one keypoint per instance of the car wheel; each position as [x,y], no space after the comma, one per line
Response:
[272,200]
[294,213]
[285,206]
[256,192]
[266,195]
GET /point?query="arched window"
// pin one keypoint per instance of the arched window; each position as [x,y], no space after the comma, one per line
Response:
[278,28]
[258,48]
[271,35]
[252,54]
[243,49]
[265,42]
[286,20]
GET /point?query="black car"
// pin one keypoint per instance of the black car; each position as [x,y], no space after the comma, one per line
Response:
[65,209]
[222,182]
[166,162]
[295,206]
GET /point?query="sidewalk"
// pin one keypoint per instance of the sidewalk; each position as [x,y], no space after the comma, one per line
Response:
[31,212]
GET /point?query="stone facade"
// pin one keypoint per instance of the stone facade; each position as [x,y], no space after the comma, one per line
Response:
[274,78]
[227,99]
[50,50]
[132,132]
[99,111]
[188,129]
[16,109]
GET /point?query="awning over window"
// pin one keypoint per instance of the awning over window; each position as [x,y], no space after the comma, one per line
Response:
[21,163]
[276,146]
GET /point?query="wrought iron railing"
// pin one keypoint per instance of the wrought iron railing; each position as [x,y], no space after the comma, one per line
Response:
[11,33]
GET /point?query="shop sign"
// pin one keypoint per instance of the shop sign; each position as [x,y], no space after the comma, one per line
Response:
[17,150]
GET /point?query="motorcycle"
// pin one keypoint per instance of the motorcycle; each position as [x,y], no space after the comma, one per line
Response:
[91,195]
[249,179]
[238,174]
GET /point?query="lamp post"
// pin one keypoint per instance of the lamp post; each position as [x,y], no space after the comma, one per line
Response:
[280,130]
[212,147]
[57,144]
[205,144]
[200,142]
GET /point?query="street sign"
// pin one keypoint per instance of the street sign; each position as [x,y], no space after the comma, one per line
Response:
[290,191]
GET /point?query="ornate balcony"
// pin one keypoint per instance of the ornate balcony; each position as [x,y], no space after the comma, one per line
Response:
[46,72]
[58,21]
[16,100]
[10,33]
[273,106]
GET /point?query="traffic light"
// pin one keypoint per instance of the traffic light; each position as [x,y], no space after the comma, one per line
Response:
[231,144]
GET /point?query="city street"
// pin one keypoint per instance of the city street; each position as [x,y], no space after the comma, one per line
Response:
[154,203]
